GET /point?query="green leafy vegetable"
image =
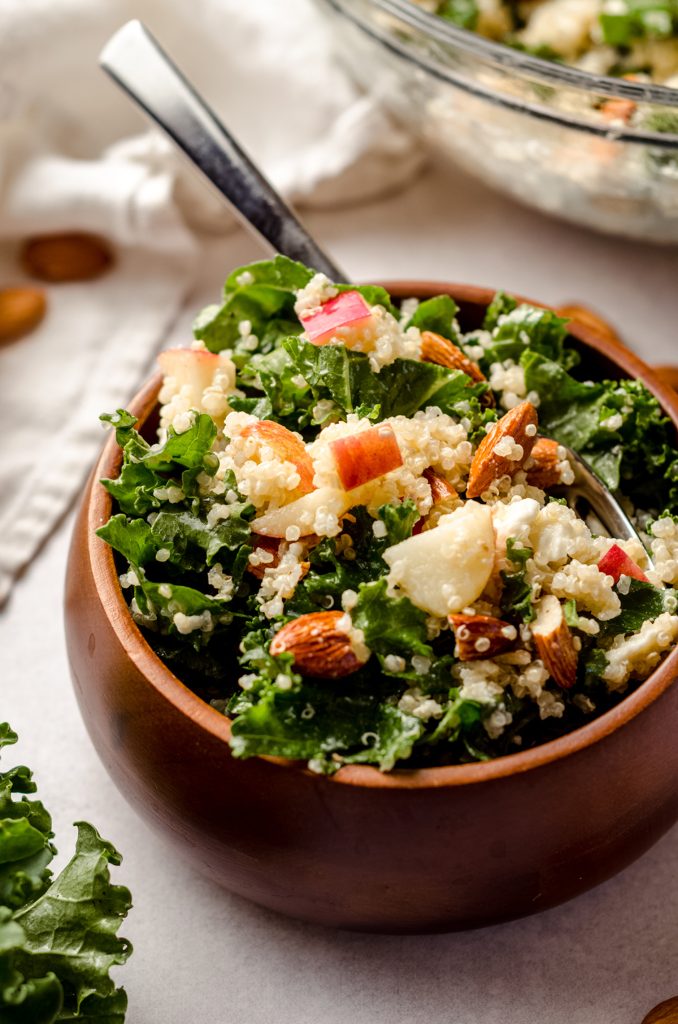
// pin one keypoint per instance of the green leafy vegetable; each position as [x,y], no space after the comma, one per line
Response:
[390,625]
[58,938]
[516,597]
[628,20]
[437,315]
[399,389]
[261,293]
[461,12]
[525,328]
[617,426]
[642,603]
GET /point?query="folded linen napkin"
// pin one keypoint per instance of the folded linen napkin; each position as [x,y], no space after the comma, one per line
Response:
[74,154]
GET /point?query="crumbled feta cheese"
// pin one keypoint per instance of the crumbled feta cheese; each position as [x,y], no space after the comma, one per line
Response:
[638,654]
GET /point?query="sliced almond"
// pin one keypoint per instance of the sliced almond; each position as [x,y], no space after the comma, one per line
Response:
[21,310]
[554,642]
[544,469]
[441,489]
[504,450]
[443,352]
[320,646]
[444,497]
[74,256]
[481,636]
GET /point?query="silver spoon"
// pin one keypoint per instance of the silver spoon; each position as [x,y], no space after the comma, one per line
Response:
[138,64]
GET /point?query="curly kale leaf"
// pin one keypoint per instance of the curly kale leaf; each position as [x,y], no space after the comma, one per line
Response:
[262,293]
[149,468]
[525,329]
[437,314]
[516,598]
[71,930]
[400,389]
[640,604]
[58,938]
[617,426]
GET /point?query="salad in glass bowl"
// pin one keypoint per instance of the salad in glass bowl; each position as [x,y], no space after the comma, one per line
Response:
[635,39]
[351,535]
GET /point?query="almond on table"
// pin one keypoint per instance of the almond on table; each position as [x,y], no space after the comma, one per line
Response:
[21,310]
[72,256]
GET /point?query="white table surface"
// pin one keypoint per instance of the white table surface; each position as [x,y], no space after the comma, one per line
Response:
[207,957]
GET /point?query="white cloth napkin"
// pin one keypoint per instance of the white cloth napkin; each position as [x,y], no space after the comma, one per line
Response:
[75,154]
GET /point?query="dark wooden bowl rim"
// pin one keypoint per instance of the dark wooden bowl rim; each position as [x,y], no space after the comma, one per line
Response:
[215,723]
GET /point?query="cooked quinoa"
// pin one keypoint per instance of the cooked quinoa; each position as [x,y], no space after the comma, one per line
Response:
[361,552]
[630,38]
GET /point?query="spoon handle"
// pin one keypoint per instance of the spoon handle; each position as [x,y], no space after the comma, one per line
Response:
[134,59]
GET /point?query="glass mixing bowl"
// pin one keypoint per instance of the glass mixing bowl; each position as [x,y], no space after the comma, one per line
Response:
[526,126]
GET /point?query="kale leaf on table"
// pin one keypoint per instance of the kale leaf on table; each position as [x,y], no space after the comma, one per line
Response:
[58,936]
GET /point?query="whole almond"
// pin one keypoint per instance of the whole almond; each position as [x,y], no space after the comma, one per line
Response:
[481,636]
[75,256]
[544,469]
[554,642]
[443,352]
[488,465]
[319,646]
[664,1013]
[21,310]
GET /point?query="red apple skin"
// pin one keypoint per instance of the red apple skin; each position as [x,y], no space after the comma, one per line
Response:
[288,447]
[348,309]
[362,457]
[616,563]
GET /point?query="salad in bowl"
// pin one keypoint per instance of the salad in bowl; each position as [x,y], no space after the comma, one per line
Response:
[629,38]
[351,535]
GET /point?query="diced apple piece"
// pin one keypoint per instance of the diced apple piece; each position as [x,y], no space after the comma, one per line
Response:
[195,367]
[347,311]
[616,563]
[302,512]
[288,448]
[366,455]
[447,568]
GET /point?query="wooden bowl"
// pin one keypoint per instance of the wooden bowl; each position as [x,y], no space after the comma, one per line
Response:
[411,851]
